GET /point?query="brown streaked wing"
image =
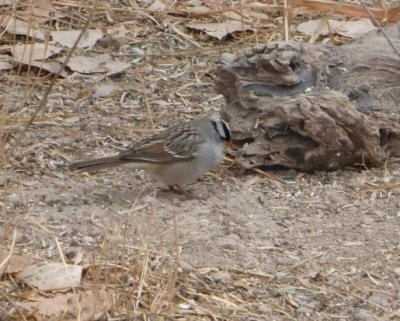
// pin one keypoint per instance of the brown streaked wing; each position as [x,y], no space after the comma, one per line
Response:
[166,147]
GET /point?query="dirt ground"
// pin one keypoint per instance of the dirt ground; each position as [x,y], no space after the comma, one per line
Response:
[298,246]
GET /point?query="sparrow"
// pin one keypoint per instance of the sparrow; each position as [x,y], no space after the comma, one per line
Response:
[176,156]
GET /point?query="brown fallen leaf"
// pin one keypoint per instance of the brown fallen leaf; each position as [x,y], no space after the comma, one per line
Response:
[5,62]
[51,276]
[219,30]
[39,11]
[157,6]
[351,29]
[19,27]
[98,64]
[26,53]
[351,10]
[86,305]
[16,263]
[36,54]
[67,38]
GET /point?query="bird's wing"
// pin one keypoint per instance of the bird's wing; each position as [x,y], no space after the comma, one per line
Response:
[178,143]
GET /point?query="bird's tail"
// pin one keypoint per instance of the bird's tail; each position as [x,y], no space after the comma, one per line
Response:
[96,164]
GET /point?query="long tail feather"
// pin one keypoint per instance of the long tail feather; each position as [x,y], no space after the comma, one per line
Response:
[96,164]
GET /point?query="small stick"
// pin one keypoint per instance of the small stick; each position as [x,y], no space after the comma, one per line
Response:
[267,175]
[372,17]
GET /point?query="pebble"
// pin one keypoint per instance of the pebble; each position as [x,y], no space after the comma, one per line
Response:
[227,58]
[113,43]
[304,311]
[105,90]
[201,64]
[117,239]
[2,180]
[231,242]
[397,271]
[281,276]
[150,199]
[186,267]
[379,299]
[137,51]
[88,240]
[364,315]
[221,276]
[265,309]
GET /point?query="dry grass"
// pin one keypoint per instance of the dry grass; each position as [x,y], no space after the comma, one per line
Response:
[146,283]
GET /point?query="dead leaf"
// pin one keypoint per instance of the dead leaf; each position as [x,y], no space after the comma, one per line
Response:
[16,263]
[355,243]
[5,62]
[89,307]
[39,51]
[119,30]
[39,11]
[51,276]
[29,183]
[98,64]
[351,29]
[347,9]
[34,55]
[19,27]
[198,10]
[67,38]
[157,6]
[105,90]
[219,30]
[262,18]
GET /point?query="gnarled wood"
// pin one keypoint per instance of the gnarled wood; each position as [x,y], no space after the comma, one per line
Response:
[314,106]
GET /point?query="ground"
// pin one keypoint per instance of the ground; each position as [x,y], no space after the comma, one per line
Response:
[244,246]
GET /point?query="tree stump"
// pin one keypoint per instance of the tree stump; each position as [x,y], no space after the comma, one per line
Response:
[313,107]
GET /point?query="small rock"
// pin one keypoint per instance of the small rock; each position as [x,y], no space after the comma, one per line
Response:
[397,271]
[137,51]
[227,58]
[265,309]
[281,276]
[116,240]
[113,43]
[204,211]
[186,267]
[379,299]
[201,64]
[2,180]
[229,243]
[364,315]
[150,199]
[221,276]
[304,311]
[88,240]
[105,90]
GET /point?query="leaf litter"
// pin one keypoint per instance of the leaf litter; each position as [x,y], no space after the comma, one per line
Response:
[281,257]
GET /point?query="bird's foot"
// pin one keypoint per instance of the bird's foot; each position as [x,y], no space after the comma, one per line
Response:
[179,190]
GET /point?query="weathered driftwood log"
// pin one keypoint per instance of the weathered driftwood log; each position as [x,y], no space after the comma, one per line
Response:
[314,106]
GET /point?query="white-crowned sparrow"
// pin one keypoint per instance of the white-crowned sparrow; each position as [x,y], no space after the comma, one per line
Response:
[176,156]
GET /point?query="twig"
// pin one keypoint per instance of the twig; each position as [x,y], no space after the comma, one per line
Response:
[286,19]
[5,261]
[300,263]
[379,26]
[146,102]
[43,102]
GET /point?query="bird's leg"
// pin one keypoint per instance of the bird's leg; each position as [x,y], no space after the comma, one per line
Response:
[179,190]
